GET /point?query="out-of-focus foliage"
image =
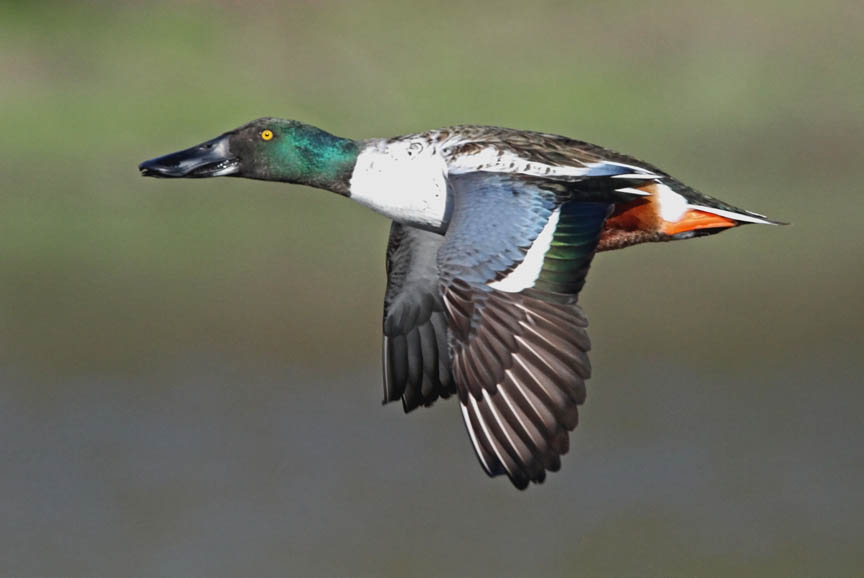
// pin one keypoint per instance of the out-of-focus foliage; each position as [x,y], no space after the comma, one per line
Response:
[189,369]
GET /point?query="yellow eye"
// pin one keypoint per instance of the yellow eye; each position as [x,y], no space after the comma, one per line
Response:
[267,134]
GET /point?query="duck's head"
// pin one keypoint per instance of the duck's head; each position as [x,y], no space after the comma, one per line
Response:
[270,149]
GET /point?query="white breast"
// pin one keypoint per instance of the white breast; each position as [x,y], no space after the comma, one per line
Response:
[404,180]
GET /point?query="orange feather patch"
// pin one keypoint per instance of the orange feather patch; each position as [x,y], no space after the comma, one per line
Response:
[695,219]
[638,215]
[639,221]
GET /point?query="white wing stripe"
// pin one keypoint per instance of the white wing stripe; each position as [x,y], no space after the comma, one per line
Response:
[747,218]
[499,161]
[632,172]
[527,272]
[635,176]
[478,449]
[516,444]
[533,434]
[633,191]
[488,434]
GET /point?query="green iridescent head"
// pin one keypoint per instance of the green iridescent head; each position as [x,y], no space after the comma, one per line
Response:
[270,149]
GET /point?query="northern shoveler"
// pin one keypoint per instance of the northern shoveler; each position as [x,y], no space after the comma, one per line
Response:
[493,233]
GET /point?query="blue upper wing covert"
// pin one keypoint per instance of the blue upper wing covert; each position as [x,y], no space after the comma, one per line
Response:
[518,357]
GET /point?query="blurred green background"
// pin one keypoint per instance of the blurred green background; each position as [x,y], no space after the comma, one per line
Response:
[190,369]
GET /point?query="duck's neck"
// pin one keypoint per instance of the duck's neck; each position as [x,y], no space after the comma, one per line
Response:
[334,159]
[315,158]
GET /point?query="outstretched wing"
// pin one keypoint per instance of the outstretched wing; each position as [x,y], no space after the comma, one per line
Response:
[416,356]
[514,258]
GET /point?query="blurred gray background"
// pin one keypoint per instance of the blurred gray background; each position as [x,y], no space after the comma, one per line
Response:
[189,371]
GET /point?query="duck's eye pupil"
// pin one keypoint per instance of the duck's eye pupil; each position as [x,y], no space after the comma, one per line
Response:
[266,134]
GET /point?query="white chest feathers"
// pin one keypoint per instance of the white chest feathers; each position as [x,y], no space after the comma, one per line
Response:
[404,180]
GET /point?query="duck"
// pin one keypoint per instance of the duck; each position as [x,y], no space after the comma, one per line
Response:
[492,235]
